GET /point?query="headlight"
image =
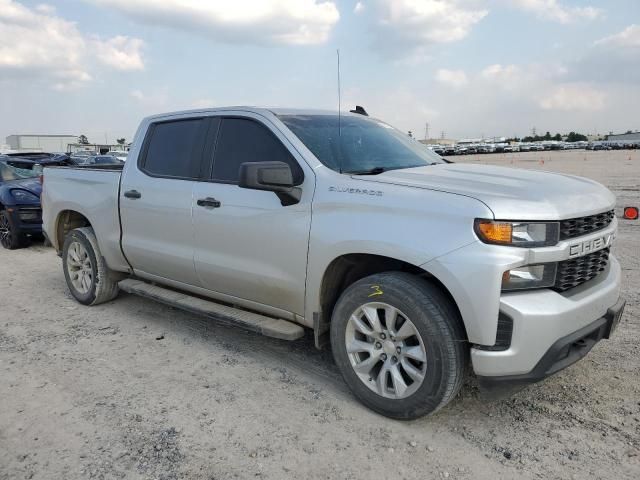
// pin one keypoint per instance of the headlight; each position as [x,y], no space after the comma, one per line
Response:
[24,196]
[518,234]
[530,276]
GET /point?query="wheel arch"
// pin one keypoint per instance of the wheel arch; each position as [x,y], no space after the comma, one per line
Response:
[347,269]
[66,221]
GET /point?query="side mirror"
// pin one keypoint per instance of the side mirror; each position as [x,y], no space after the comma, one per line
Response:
[270,176]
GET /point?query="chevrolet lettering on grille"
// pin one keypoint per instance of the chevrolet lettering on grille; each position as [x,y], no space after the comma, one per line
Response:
[583,248]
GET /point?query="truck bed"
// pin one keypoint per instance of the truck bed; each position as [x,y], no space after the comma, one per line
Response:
[93,192]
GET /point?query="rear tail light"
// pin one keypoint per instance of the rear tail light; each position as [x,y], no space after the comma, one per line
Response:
[631,213]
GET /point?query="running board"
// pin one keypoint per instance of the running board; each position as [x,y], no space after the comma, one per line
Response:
[270,327]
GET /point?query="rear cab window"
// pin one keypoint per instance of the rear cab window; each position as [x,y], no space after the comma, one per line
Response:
[173,149]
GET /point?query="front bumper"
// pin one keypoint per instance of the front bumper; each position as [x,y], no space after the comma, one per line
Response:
[541,319]
[26,218]
[564,352]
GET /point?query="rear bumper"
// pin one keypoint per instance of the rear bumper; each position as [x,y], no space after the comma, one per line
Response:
[546,325]
[564,352]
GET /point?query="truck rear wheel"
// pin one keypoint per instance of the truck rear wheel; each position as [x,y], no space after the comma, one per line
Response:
[399,344]
[88,277]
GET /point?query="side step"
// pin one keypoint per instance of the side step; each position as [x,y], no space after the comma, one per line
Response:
[270,327]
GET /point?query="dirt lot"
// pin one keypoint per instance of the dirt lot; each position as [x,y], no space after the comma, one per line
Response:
[133,389]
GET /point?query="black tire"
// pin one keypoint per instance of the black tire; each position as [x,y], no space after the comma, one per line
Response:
[104,282]
[10,237]
[439,324]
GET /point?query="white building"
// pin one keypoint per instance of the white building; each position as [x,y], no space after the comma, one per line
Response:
[628,137]
[41,143]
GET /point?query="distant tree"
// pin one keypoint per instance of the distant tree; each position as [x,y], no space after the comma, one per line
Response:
[557,137]
[83,140]
[576,137]
[628,131]
[547,136]
[536,138]
[121,141]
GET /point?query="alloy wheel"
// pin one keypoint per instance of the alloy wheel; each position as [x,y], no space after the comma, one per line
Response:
[79,268]
[386,350]
[5,231]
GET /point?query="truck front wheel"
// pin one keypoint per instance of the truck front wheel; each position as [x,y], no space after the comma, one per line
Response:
[88,277]
[399,343]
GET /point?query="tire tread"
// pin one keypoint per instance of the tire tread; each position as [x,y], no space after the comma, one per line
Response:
[442,311]
[106,279]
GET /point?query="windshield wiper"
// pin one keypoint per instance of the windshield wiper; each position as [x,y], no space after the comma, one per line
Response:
[371,171]
[379,170]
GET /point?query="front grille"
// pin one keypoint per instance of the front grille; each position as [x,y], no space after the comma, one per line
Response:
[576,227]
[577,271]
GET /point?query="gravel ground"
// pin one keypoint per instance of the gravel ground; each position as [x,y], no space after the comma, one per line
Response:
[133,389]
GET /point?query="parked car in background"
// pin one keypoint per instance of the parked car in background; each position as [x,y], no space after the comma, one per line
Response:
[101,160]
[20,189]
[122,156]
[81,156]
[450,150]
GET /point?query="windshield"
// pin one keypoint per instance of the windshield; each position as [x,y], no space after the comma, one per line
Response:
[17,170]
[358,144]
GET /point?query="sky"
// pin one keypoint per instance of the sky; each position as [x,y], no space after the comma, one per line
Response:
[467,68]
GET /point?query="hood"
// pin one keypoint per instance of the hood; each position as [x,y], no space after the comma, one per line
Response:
[511,193]
[32,185]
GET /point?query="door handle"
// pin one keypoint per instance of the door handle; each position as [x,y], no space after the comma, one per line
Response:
[134,194]
[209,202]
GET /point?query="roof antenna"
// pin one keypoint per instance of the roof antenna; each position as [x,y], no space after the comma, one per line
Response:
[360,111]
[339,114]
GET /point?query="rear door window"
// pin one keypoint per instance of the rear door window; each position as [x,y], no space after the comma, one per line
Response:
[174,149]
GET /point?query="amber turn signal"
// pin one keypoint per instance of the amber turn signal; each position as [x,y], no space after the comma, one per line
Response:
[494,232]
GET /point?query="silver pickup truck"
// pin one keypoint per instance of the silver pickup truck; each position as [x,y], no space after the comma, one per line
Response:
[410,266]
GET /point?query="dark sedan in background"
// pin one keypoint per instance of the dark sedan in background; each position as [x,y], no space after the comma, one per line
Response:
[20,189]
